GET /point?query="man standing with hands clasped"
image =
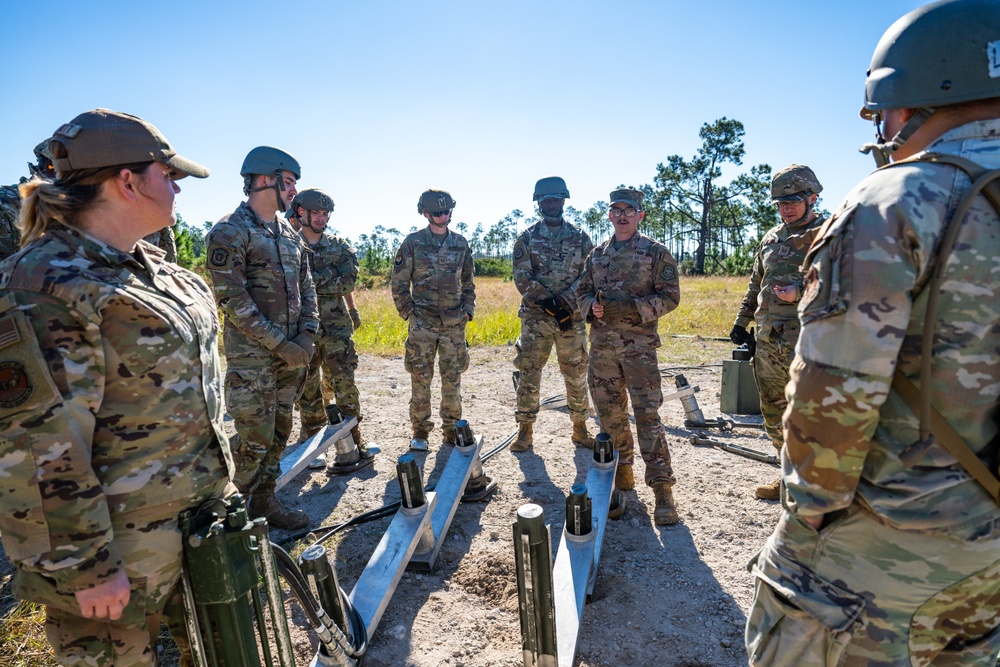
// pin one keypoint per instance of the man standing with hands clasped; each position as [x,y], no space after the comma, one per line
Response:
[548,260]
[628,283]
[433,291]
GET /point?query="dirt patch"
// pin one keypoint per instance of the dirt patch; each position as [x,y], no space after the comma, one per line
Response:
[673,595]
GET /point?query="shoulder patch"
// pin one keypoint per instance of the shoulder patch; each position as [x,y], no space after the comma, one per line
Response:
[519,251]
[25,382]
[220,258]
[669,272]
[398,262]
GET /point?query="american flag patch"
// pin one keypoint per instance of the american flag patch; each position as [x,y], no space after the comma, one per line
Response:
[8,333]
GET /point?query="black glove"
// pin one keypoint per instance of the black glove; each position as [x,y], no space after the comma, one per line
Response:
[558,309]
[292,354]
[740,336]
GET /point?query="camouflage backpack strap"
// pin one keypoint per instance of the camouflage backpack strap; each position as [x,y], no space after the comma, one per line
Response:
[986,182]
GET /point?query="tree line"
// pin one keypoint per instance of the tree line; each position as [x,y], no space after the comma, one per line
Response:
[710,224]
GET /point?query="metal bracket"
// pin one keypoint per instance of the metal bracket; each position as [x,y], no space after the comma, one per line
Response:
[375,586]
[449,489]
[298,458]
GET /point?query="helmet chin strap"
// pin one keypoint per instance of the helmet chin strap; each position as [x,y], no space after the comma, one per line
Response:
[882,150]
[278,187]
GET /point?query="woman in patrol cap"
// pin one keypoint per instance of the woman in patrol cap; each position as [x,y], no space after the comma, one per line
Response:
[110,392]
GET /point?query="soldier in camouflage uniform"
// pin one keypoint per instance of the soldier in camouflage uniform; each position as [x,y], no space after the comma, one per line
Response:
[628,283]
[773,295]
[433,290]
[335,270]
[111,393]
[165,241]
[263,285]
[10,201]
[889,549]
[548,260]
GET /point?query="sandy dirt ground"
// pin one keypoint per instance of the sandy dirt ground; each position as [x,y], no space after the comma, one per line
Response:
[674,595]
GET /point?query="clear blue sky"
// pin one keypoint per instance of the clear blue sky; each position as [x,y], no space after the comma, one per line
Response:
[382,100]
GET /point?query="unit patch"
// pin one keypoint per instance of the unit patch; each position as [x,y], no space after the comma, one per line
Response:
[15,388]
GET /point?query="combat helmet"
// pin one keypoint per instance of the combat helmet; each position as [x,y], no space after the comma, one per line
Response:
[314,199]
[433,201]
[794,183]
[267,160]
[940,54]
[311,200]
[550,186]
[42,166]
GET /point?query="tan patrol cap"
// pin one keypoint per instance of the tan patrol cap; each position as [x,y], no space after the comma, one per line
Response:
[105,138]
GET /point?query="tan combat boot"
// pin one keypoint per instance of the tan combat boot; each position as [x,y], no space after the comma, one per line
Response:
[524,440]
[359,439]
[624,480]
[665,513]
[581,436]
[265,504]
[449,436]
[770,491]
[419,441]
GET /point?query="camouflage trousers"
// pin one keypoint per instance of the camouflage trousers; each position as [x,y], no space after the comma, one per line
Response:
[617,376]
[260,397]
[775,351]
[422,344]
[330,376]
[534,346]
[860,592]
[150,543]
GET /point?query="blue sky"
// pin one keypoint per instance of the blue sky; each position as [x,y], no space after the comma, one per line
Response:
[382,100]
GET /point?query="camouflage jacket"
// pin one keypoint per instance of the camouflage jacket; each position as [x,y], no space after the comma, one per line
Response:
[262,283]
[110,400]
[778,263]
[164,240]
[847,437]
[335,271]
[548,262]
[432,280]
[641,270]
[10,209]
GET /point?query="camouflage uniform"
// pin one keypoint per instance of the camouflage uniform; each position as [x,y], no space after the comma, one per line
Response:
[906,568]
[165,241]
[433,290]
[547,263]
[10,209]
[623,362]
[262,284]
[334,270]
[111,412]
[777,263]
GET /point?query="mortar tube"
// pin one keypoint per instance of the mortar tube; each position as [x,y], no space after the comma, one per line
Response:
[691,410]
[536,599]
[314,562]
[579,511]
[604,449]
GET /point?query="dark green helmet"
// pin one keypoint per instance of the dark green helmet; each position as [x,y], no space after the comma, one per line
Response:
[551,186]
[433,201]
[43,161]
[794,183]
[943,53]
[313,199]
[42,151]
[266,160]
